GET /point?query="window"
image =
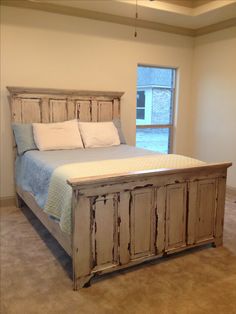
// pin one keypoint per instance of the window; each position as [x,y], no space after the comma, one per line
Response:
[155,108]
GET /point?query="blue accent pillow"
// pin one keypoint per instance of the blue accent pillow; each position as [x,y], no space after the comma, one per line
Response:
[24,137]
[117,124]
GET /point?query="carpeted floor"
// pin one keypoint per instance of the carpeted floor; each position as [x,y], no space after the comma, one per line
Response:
[36,276]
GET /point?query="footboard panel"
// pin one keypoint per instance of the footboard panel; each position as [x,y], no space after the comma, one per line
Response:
[128,219]
[104,229]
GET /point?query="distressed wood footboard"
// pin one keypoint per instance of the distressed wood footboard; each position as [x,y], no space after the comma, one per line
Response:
[122,220]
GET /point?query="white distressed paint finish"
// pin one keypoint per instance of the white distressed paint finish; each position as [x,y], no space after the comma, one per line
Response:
[123,220]
[49,105]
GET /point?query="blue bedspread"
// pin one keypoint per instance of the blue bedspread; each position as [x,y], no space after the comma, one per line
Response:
[34,169]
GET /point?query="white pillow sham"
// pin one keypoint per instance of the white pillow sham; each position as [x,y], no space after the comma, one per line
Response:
[99,134]
[59,135]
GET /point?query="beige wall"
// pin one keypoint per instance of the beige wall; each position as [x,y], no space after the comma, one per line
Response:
[40,49]
[48,50]
[214,99]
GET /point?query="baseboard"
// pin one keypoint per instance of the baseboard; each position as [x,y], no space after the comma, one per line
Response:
[7,201]
[231,189]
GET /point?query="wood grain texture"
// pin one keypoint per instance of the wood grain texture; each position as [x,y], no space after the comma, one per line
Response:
[84,110]
[106,233]
[30,105]
[105,111]
[192,212]
[58,110]
[169,176]
[45,110]
[124,227]
[71,109]
[31,109]
[161,218]
[81,239]
[176,211]
[116,109]
[15,90]
[142,223]
[220,211]
[206,210]
[16,109]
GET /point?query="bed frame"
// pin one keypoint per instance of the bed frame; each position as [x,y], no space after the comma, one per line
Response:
[125,219]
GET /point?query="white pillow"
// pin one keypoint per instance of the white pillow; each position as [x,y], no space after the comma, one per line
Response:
[60,135]
[99,134]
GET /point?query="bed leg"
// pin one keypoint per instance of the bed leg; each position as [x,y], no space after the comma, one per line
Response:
[82,282]
[218,242]
[19,201]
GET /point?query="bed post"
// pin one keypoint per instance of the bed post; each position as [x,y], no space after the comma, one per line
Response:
[220,212]
[81,240]
[18,200]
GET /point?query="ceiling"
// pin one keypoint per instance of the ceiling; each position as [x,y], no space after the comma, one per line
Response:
[186,17]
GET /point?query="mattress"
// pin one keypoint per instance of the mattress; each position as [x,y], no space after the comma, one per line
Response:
[45,174]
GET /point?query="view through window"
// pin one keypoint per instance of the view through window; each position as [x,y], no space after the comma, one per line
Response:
[155,108]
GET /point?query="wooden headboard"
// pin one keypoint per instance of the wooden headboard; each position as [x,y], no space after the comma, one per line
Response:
[30,105]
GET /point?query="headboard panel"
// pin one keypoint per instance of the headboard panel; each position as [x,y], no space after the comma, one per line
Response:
[30,105]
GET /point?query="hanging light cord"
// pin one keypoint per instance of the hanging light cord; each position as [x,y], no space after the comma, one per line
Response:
[136,18]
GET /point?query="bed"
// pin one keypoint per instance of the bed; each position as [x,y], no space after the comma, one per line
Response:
[121,218]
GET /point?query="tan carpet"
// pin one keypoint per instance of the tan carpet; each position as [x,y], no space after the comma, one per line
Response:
[36,276]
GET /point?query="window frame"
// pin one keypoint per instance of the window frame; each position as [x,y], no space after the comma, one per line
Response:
[169,126]
[141,108]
